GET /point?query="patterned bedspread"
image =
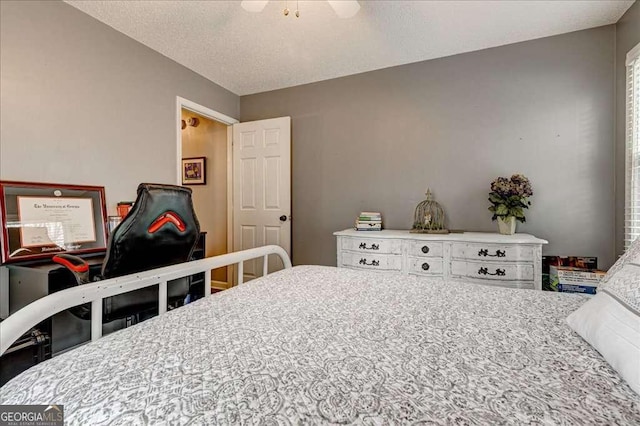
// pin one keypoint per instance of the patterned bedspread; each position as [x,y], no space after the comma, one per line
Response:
[315,344]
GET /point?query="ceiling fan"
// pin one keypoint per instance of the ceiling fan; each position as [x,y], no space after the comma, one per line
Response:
[343,8]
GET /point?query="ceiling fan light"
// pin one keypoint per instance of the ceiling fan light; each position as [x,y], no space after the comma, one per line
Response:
[345,8]
[253,5]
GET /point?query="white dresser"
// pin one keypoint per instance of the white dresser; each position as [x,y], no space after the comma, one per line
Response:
[479,257]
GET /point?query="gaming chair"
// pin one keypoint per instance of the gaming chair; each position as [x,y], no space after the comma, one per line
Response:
[160,230]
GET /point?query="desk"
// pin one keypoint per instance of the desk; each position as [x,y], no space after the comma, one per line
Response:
[29,283]
[23,284]
[26,283]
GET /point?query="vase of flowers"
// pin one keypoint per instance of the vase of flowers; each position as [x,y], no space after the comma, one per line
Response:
[507,225]
[509,197]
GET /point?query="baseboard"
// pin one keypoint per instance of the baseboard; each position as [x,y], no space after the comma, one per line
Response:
[221,285]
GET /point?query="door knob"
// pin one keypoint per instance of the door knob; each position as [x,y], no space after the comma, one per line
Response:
[283,218]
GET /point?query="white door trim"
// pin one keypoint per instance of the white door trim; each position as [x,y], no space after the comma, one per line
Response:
[231,273]
[182,103]
[199,109]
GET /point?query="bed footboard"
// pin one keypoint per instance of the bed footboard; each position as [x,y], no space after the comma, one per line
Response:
[21,321]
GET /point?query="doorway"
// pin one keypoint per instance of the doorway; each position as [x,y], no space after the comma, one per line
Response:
[205,140]
[258,184]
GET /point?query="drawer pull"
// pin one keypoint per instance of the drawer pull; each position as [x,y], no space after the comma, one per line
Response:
[373,246]
[425,249]
[499,272]
[363,261]
[425,266]
[485,253]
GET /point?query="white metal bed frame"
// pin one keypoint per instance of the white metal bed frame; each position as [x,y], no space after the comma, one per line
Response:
[27,317]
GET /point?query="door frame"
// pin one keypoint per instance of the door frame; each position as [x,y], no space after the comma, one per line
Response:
[182,103]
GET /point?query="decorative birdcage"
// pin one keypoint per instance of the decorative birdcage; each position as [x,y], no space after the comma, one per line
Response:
[429,217]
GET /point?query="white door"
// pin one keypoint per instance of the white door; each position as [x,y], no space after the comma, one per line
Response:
[262,189]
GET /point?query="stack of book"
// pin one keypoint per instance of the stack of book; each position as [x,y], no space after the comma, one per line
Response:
[369,221]
[575,280]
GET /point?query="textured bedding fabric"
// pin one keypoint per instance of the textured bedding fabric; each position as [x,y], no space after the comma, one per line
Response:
[315,345]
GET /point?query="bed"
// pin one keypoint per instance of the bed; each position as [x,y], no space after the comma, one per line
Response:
[321,345]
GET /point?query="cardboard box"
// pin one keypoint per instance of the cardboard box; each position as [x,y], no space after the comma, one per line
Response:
[574,280]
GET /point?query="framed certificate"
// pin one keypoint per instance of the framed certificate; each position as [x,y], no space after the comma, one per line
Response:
[40,220]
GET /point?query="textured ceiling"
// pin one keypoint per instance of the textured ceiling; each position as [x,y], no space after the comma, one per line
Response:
[255,52]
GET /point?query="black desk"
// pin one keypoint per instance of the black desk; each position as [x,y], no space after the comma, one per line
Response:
[28,283]
[31,282]
[62,331]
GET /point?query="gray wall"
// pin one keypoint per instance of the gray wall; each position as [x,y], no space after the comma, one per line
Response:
[82,103]
[375,141]
[627,36]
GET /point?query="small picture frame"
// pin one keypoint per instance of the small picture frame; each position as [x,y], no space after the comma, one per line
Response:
[194,171]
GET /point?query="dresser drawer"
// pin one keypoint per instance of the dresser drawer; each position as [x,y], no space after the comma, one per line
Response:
[482,258]
[424,248]
[373,261]
[492,271]
[508,252]
[372,245]
[425,266]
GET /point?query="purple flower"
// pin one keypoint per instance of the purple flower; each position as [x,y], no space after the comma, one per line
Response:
[521,186]
[509,196]
[518,185]
[501,186]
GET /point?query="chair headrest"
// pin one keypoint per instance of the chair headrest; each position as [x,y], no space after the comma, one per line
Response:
[160,230]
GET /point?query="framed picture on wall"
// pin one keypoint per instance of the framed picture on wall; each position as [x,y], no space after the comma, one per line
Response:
[40,220]
[194,171]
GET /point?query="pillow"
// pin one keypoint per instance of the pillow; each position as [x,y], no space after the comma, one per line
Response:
[632,255]
[610,321]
